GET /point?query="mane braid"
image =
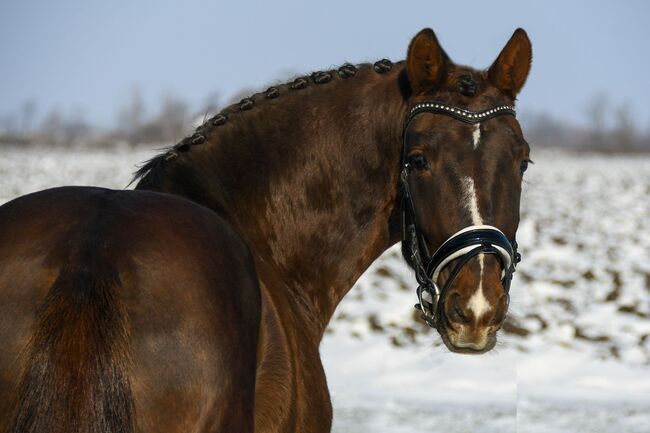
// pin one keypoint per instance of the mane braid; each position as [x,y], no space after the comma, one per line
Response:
[151,169]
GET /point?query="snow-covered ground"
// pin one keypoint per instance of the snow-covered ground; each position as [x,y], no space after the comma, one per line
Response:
[575,356]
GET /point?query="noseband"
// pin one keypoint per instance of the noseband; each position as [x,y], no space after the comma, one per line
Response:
[462,245]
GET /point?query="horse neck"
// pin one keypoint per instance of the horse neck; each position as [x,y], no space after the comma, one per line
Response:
[310,179]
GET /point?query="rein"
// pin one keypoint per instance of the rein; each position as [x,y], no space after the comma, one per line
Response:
[462,245]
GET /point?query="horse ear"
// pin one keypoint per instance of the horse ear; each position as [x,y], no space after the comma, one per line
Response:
[510,70]
[426,61]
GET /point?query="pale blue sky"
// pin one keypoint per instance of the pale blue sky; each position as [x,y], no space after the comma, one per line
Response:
[87,55]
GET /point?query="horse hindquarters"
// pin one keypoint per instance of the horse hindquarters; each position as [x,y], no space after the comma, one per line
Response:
[76,371]
[203,370]
[117,318]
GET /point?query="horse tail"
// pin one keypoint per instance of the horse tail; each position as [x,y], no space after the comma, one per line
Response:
[76,378]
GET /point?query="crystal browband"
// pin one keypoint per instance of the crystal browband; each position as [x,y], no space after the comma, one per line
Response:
[461,114]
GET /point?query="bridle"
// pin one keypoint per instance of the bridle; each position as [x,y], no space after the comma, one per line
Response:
[462,245]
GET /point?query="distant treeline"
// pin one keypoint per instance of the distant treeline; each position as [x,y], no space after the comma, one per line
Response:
[608,128]
[171,122]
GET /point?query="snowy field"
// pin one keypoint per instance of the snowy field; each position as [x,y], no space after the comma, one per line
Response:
[575,356]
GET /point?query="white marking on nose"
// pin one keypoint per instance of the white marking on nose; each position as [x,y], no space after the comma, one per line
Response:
[476,135]
[477,303]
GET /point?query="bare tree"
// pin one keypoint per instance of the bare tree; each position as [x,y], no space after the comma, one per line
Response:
[28,112]
[8,124]
[596,111]
[173,118]
[625,132]
[131,117]
[52,128]
[171,123]
[76,128]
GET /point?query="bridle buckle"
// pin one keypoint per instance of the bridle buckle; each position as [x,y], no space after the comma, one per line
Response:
[428,297]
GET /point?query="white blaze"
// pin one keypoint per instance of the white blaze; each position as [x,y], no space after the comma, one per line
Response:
[476,135]
[477,303]
[471,200]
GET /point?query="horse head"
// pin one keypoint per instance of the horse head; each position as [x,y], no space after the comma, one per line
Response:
[462,169]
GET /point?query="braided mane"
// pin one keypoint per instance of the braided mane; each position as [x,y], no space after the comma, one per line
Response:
[152,167]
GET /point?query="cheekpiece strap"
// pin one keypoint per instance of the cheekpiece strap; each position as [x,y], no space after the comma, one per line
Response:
[464,244]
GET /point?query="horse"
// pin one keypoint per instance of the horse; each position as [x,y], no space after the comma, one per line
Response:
[119,312]
[318,177]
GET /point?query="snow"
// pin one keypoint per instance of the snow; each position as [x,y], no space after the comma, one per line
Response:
[25,169]
[378,388]
[585,245]
[582,293]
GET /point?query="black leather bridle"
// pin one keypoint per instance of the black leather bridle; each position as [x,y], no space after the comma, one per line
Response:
[462,245]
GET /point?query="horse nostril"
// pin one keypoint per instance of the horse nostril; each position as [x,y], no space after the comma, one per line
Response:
[458,312]
[501,310]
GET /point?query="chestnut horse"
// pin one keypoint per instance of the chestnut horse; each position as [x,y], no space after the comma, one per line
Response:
[124,311]
[318,176]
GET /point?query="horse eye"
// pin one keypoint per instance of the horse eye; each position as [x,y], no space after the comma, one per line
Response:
[418,161]
[524,165]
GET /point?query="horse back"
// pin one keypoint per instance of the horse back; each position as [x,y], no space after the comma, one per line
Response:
[124,311]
